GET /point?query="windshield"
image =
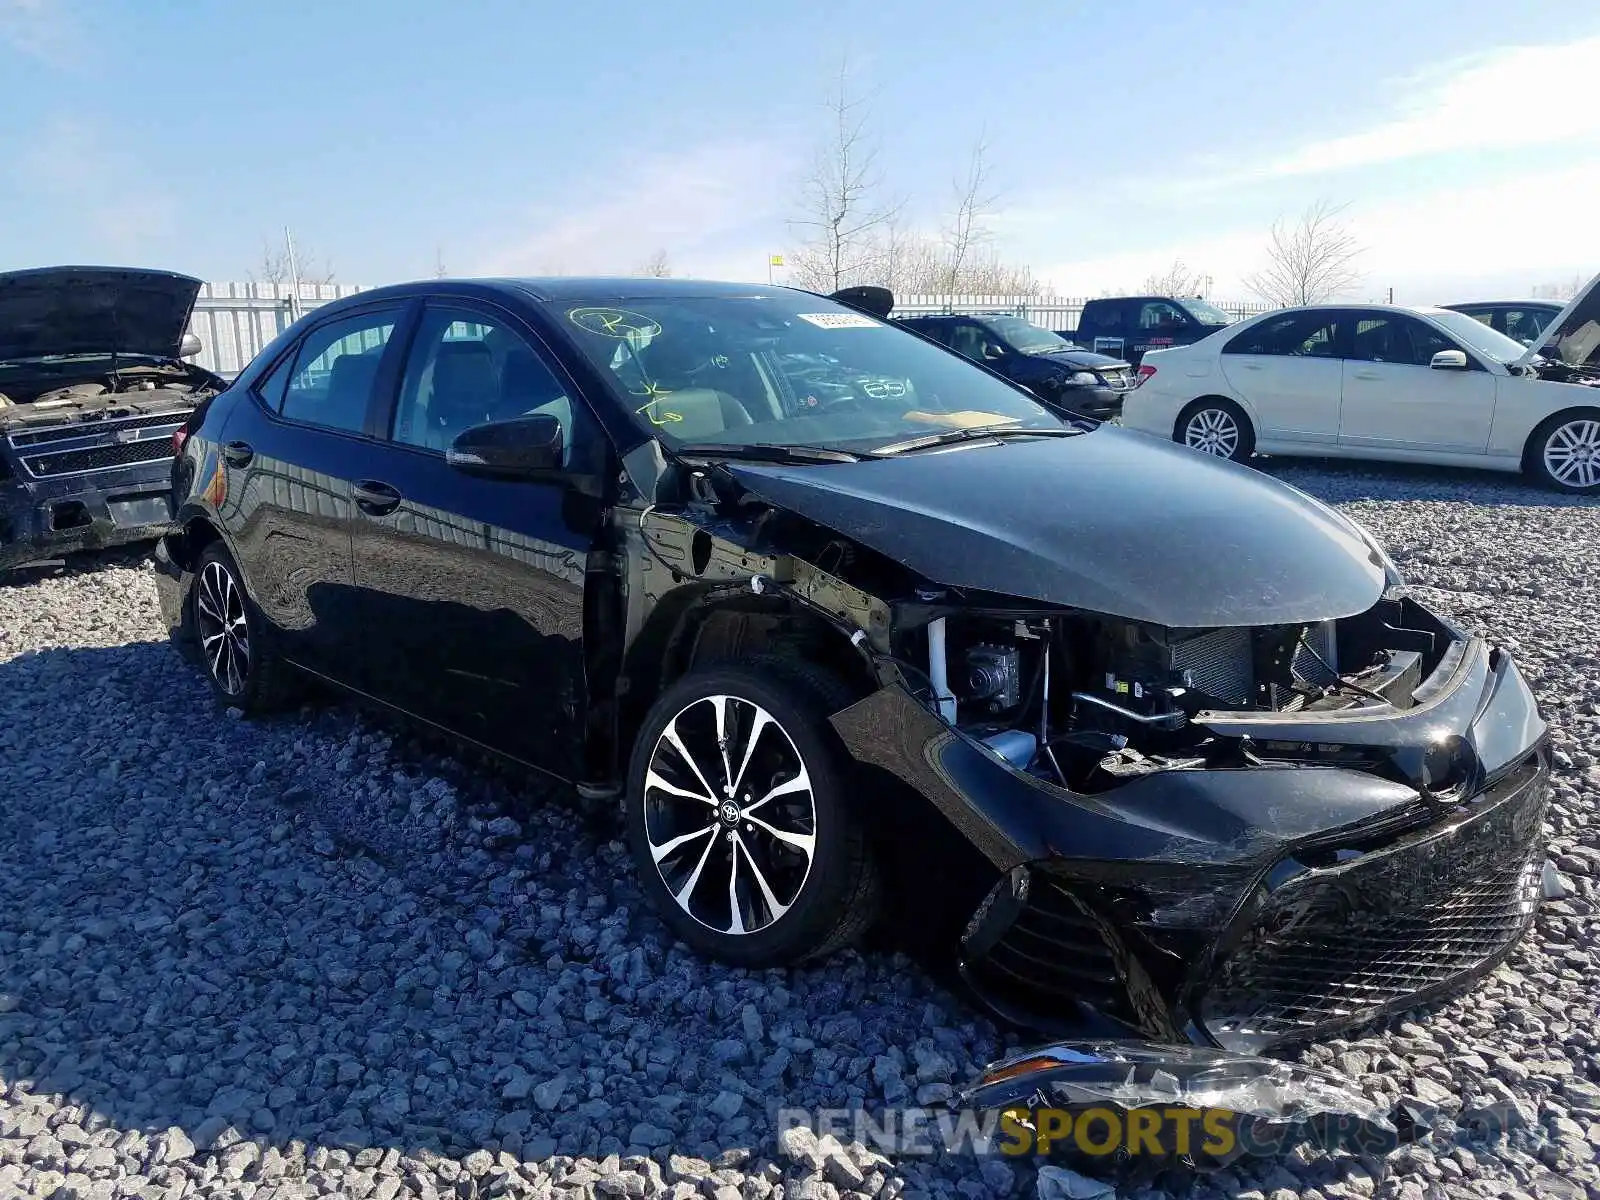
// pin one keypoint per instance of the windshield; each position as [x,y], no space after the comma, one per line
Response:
[1206,314]
[785,370]
[1024,336]
[1479,336]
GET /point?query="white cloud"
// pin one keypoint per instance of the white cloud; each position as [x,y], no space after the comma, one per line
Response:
[1512,98]
[1508,235]
[40,29]
[699,207]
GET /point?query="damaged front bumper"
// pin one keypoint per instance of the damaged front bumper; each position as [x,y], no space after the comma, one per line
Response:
[1364,864]
[42,520]
[1120,1100]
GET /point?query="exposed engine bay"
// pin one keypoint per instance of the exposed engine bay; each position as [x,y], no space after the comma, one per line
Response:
[1087,701]
[48,392]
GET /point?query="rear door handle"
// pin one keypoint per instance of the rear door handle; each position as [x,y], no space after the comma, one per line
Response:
[1369,375]
[375,498]
[238,454]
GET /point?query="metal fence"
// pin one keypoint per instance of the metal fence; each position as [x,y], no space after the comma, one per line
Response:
[235,320]
[1051,312]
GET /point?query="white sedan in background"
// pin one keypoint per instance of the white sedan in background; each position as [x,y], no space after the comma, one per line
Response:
[1381,381]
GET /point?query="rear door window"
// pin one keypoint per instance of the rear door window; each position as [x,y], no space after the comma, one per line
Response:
[1292,335]
[336,369]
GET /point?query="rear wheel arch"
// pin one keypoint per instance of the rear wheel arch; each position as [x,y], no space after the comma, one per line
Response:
[199,531]
[1534,463]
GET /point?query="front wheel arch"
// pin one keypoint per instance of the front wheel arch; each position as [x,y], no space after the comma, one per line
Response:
[1246,444]
[1533,451]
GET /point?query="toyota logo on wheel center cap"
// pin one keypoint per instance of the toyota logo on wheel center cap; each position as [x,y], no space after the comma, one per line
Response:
[730,812]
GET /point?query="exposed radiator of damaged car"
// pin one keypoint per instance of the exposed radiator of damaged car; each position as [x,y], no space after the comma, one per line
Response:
[1221,662]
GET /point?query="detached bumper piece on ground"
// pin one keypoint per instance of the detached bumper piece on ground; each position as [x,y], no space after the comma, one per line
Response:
[1115,1102]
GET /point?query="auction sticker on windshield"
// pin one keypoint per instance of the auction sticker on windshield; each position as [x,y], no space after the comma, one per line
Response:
[839,320]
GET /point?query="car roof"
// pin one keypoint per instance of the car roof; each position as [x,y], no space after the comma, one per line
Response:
[1458,305]
[561,288]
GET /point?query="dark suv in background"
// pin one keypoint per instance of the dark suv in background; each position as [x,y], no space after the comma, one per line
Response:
[1045,363]
[1521,320]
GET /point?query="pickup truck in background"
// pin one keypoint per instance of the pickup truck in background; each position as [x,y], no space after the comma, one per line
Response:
[1126,326]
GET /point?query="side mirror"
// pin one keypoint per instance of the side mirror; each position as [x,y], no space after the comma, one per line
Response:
[993,354]
[521,448]
[189,346]
[1449,360]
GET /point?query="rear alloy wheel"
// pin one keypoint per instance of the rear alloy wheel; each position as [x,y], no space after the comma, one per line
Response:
[240,664]
[1216,427]
[1565,452]
[737,818]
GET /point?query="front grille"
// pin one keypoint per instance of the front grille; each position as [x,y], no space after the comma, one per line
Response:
[22,438]
[98,458]
[1343,945]
[1054,950]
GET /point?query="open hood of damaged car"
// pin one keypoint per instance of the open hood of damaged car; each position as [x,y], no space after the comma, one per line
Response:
[1573,337]
[94,310]
[1110,521]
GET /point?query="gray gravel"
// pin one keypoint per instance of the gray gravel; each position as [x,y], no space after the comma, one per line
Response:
[322,956]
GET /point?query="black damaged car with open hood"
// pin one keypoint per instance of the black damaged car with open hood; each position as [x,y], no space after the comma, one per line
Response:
[1160,744]
[93,385]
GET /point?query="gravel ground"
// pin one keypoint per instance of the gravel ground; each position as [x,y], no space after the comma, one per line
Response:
[317,956]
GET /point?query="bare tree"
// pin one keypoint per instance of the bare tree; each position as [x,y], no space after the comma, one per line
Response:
[966,230]
[275,266]
[656,266]
[1311,261]
[1176,280]
[843,212]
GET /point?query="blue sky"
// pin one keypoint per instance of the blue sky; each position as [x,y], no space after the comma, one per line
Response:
[559,137]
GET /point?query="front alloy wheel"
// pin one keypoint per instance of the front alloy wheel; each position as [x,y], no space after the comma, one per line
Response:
[1569,453]
[730,815]
[737,816]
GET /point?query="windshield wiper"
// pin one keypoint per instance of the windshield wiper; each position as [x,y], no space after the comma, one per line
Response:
[767,452]
[972,433]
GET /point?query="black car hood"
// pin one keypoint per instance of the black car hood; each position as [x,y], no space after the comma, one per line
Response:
[94,310]
[1086,359]
[1111,521]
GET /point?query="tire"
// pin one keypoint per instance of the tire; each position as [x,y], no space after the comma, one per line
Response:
[234,644]
[802,894]
[1563,453]
[1212,425]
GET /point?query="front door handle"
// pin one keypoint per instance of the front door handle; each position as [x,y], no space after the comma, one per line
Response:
[375,498]
[238,454]
[1368,375]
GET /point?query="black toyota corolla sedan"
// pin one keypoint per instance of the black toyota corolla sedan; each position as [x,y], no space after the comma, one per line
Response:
[842,620]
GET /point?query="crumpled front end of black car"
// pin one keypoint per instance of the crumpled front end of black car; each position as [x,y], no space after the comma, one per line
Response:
[85,479]
[1352,843]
